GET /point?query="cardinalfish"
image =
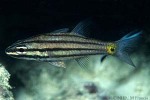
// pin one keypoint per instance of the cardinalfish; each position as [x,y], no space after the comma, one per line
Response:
[61,45]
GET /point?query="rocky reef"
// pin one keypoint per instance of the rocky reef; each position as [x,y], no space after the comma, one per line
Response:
[5,93]
[111,79]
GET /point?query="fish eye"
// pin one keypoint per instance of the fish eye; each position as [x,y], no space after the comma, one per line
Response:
[21,50]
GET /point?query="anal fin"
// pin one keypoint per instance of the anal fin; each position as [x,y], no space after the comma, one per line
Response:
[83,62]
[103,58]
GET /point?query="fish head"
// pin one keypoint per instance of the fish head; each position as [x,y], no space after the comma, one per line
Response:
[25,49]
[17,48]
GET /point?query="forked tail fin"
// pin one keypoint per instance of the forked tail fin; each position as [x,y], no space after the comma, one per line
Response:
[127,45]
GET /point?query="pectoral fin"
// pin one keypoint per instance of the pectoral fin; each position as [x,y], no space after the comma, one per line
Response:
[58,64]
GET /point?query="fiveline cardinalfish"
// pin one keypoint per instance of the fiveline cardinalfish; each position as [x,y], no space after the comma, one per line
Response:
[60,46]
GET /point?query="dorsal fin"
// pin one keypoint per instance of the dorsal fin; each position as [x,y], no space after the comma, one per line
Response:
[63,30]
[83,28]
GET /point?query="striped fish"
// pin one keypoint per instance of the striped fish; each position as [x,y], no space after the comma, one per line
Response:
[61,45]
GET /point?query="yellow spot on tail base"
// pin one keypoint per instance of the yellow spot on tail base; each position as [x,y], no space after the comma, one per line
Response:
[111,48]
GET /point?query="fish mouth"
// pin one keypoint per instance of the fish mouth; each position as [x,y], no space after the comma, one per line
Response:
[9,51]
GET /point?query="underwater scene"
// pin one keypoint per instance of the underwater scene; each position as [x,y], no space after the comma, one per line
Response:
[74,50]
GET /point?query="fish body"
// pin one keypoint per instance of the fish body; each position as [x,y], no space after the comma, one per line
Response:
[61,45]
[56,47]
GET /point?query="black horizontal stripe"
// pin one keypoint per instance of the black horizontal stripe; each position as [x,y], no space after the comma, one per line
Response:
[75,42]
[54,56]
[59,49]
[58,35]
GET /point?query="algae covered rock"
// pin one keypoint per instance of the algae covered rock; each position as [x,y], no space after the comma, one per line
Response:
[5,93]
